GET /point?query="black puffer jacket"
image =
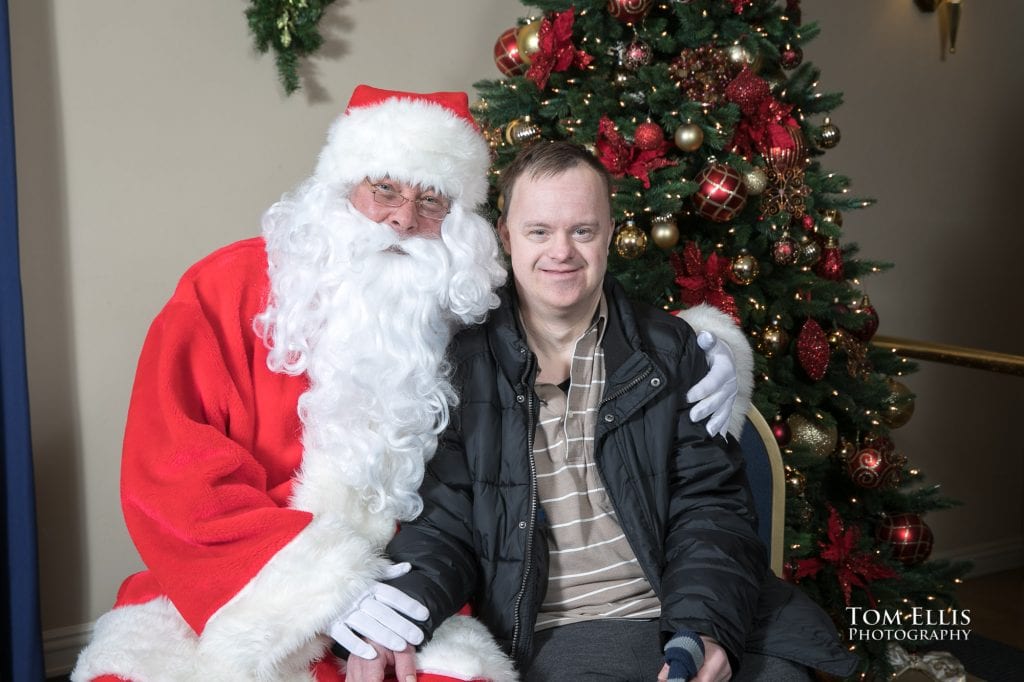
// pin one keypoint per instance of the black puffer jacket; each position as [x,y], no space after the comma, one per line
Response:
[681,498]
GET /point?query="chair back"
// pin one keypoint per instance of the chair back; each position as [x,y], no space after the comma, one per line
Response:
[767,483]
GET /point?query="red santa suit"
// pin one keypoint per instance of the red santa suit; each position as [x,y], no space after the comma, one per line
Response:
[241,584]
[237,580]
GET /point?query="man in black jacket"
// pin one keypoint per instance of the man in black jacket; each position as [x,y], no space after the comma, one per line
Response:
[595,527]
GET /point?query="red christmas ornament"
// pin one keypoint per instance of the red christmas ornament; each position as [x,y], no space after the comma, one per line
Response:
[909,536]
[791,56]
[874,468]
[788,149]
[637,54]
[785,251]
[506,54]
[808,222]
[649,136]
[721,193]
[629,11]
[866,312]
[830,266]
[812,349]
[780,429]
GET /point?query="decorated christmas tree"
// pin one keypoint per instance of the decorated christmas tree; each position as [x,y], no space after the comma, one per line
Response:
[712,124]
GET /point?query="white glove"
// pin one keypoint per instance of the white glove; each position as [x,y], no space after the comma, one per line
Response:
[377,615]
[716,392]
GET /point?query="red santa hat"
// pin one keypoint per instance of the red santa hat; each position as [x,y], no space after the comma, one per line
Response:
[428,140]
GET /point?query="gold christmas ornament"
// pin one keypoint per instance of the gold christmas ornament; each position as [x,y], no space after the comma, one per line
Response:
[527,40]
[828,135]
[631,241]
[832,216]
[745,268]
[741,56]
[501,203]
[689,137]
[665,232]
[521,131]
[774,341]
[756,180]
[899,405]
[810,250]
[812,433]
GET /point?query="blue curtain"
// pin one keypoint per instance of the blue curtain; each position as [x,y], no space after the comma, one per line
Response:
[21,643]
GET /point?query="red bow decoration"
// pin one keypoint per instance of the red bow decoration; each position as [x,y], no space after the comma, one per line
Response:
[764,121]
[701,281]
[621,158]
[853,568]
[555,51]
[739,5]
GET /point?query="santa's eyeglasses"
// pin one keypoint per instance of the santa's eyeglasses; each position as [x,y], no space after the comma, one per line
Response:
[429,206]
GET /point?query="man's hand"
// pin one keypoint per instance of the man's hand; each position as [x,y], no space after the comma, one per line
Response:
[716,666]
[359,669]
[716,392]
[378,614]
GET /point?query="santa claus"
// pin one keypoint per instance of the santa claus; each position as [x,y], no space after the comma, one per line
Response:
[286,400]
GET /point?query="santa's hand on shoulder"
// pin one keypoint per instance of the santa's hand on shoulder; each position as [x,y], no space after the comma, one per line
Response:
[381,613]
[716,392]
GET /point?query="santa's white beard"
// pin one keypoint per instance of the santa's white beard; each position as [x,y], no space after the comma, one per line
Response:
[367,318]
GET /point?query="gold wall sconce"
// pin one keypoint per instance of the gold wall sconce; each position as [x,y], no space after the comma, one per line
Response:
[949,18]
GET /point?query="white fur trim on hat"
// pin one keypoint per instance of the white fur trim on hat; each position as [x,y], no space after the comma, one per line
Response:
[409,140]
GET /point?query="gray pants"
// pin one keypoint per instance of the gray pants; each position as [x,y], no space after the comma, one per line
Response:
[627,650]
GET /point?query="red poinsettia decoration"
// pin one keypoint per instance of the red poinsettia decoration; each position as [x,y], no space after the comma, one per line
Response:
[701,281]
[853,568]
[622,158]
[739,5]
[555,51]
[765,119]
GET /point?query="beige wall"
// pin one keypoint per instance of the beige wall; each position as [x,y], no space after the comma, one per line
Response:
[148,133]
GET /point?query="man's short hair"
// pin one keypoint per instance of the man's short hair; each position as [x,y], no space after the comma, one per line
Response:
[546,159]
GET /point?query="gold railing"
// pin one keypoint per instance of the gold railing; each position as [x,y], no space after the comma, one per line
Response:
[953,355]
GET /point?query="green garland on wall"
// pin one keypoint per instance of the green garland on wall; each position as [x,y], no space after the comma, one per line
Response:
[290,27]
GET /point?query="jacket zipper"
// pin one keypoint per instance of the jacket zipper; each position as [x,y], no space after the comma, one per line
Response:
[628,387]
[533,517]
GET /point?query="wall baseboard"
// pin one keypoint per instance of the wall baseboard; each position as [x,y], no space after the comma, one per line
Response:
[988,557]
[61,645]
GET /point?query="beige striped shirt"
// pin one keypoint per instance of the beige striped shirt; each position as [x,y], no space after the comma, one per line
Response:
[593,571]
